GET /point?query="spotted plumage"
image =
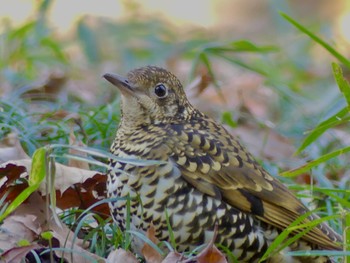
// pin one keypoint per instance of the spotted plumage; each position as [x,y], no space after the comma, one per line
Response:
[204,177]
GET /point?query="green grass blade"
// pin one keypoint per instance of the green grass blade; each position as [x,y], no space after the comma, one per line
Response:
[343,84]
[146,240]
[170,230]
[314,253]
[88,42]
[55,48]
[239,46]
[242,64]
[3,205]
[247,46]
[330,49]
[347,235]
[205,60]
[314,222]
[345,202]
[105,154]
[127,237]
[332,121]
[278,243]
[306,167]
[18,201]
[21,31]
[226,117]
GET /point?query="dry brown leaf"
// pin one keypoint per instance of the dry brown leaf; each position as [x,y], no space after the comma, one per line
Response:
[200,83]
[8,175]
[16,254]
[77,163]
[85,194]
[29,220]
[120,255]
[62,115]
[49,89]
[150,254]
[65,176]
[174,257]
[74,187]
[16,228]
[305,178]
[211,254]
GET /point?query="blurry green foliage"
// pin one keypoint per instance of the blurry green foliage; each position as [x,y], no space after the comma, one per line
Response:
[88,42]
[29,49]
[135,41]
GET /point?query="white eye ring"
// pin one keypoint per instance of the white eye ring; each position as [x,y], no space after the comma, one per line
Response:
[161,91]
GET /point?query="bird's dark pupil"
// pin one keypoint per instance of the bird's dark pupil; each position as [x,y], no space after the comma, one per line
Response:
[160,90]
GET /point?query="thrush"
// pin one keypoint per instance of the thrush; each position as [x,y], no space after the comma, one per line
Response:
[204,177]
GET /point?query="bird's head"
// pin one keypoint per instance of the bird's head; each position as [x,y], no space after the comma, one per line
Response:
[150,95]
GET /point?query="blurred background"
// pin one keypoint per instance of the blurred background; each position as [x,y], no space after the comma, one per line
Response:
[274,73]
[240,61]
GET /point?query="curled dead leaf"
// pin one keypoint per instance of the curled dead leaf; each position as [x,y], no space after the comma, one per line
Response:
[201,82]
[174,257]
[18,227]
[150,254]
[16,254]
[49,88]
[120,255]
[211,254]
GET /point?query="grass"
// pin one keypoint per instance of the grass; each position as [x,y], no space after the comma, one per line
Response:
[295,112]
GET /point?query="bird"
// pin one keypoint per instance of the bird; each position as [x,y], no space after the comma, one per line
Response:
[202,177]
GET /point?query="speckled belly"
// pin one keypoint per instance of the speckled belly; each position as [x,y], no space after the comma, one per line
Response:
[155,190]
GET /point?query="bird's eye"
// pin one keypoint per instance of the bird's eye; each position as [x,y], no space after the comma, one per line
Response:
[161,91]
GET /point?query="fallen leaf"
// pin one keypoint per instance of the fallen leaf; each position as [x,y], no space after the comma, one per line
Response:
[120,255]
[150,254]
[174,257]
[48,89]
[9,183]
[75,187]
[65,176]
[16,254]
[85,194]
[61,115]
[211,254]
[32,218]
[200,83]
[18,227]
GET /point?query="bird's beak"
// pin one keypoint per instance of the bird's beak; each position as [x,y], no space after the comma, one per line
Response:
[120,82]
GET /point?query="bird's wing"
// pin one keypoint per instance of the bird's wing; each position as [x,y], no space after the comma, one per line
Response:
[216,164]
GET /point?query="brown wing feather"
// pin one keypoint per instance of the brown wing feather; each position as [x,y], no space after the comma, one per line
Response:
[219,166]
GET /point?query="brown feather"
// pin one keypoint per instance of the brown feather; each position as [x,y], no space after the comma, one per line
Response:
[244,184]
